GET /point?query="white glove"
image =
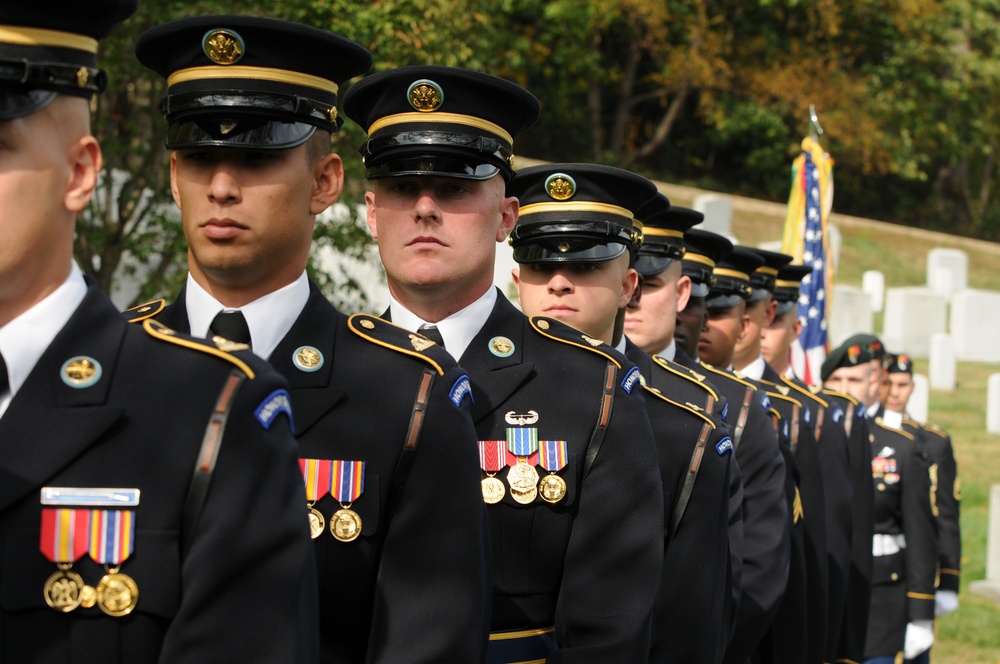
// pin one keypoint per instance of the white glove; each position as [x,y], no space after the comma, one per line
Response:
[945,601]
[919,637]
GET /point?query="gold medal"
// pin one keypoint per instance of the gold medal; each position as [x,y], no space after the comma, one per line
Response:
[552,488]
[493,491]
[62,590]
[523,481]
[117,593]
[88,597]
[317,524]
[345,525]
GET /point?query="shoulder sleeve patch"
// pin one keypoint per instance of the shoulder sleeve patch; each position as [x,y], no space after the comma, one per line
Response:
[724,445]
[274,404]
[163,333]
[838,414]
[461,389]
[559,331]
[631,379]
[725,412]
[385,334]
[765,402]
[141,312]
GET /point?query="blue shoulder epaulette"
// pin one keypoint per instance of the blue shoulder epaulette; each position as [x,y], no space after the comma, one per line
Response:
[686,373]
[563,333]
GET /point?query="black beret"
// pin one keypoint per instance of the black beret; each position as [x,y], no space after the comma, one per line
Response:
[702,250]
[663,229]
[248,81]
[52,48]
[872,346]
[576,212]
[848,354]
[732,278]
[444,121]
[762,279]
[898,363]
[786,287]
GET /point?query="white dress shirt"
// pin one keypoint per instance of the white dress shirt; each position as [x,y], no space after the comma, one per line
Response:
[24,339]
[457,330]
[269,318]
[754,370]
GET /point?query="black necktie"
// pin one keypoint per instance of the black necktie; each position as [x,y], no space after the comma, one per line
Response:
[432,333]
[4,381]
[231,325]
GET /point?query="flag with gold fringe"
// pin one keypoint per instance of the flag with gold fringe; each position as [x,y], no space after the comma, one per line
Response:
[807,240]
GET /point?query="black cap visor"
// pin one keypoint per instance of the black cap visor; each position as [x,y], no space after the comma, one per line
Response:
[649,265]
[699,289]
[723,300]
[784,308]
[248,133]
[432,165]
[436,152]
[566,249]
[19,103]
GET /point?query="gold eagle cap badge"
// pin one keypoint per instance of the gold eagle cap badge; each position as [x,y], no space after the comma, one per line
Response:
[223,47]
[425,95]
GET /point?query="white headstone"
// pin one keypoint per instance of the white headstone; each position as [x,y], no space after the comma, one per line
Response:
[836,240]
[873,283]
[850,314]
[718,211]
[942,362]
[947,270]
[993,404]
[912,315]
[990,587]
[919,401]
[975,319]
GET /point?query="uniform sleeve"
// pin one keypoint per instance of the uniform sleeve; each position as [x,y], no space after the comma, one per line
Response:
[920,531]
[248,589]
[949,504]
[766,534]
[434,588]
[615,551]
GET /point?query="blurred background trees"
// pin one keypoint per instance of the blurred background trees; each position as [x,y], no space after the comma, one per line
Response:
[708,93]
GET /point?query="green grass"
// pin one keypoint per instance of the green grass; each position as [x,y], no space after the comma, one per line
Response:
[971,635]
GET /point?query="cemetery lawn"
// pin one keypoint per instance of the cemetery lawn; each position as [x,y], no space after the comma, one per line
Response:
[971,635]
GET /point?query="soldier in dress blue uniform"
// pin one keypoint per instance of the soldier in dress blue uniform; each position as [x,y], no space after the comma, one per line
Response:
[843,440]
[150,500]
[569,466]
[387,446]
[573,269]
[896,391]
[766,513]
[905,544]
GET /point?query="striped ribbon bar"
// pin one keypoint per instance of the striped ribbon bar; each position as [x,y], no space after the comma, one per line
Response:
[552,455]
[347,480]
[492,457]
[316,474]
[64,534]
[522,441]
[112,536]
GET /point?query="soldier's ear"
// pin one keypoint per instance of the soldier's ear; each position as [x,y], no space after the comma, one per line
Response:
[85,160]
[328,181]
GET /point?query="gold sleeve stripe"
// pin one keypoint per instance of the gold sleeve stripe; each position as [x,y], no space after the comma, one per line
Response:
[920,596]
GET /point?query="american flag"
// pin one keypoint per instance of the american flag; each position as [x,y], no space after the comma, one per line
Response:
[806,239]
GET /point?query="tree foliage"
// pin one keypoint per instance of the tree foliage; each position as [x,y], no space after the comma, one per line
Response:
[712,93]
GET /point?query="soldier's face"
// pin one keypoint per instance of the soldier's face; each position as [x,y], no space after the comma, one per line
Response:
[48,171]
[437,234]
[777,338]
[652,322]
[248,214]
[759,316]
[691,320]
[854,381]
[898,388]
[584,295]
[718,341]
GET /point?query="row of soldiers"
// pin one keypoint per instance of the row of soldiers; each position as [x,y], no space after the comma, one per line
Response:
[247,474]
